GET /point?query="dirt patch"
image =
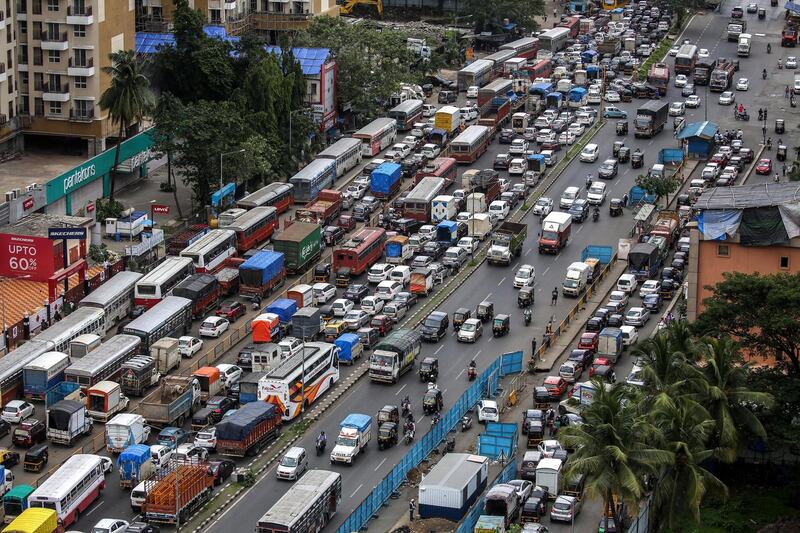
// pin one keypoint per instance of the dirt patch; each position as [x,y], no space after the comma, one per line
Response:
[782,526]
[429,525]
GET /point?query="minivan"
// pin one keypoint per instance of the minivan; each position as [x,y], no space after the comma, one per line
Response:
[435,325]
[446,97]
[401,274]
[500,209]
[428,110]
[387,290]
[138,496]
[454,257]
[293,464]
[379,272]
[590,153]
[627,283]
[568,197]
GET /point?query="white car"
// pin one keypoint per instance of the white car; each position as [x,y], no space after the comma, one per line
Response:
[568,197]
[613,97]
[188,346]
[189,453]
[681,80]
[504,184]
[742,84]
[651,286]
[386,290]
[674,50]
[468,114]
[290,346]
[323,292]
[630,335]
[517,166]
[577,128]
[229,373]
[293,464]
[637,316]
[500,209]
[693,101]
[627,283]
[791,62]
[470,331]
[213,326]
[518,146]
[108,464]
[566,138]
[341,306]
[549,447]
[469,244]
[398,151]
[380,272]
[206,438]
[727,98]
[356,191]
[543,206]
[488,411]
[676,109]
[619,297]
[703,53]
[110,525]
[472,91]
[590,153]
[525,277]
[431,151]
[371,305]
[410,141]
[357,318]
[596,194]
[16,411]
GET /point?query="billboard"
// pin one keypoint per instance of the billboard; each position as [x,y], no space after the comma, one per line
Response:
[26,256]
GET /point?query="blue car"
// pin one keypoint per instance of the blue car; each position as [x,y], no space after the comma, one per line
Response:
[579,210]
[652,302]
[172,437]
[615,112]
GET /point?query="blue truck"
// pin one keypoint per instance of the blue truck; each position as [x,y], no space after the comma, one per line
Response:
[385,180]
[350,348]
[447,232]
[261,273]
[135,465]
[285,308]
[355,432]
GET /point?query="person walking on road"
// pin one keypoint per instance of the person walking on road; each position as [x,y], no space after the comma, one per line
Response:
[411,507]
[555,296]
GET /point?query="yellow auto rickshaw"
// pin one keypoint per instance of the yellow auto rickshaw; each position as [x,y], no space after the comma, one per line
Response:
[333,329]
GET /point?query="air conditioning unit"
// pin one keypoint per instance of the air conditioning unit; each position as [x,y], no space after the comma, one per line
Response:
[9,196]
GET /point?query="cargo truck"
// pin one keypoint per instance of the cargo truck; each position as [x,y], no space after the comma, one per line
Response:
[444,207]
[743,48]
[260,274]
[138,374]
[395,355]
[666,225]
[789,36]
[66,421]
[610,46]
[323,210]
[476,203]
[397,250]
[246,431]
[135,465]
[644,260]
[651,118]
[479,225]
[421,281]
[495,113]
[385,180]
[174,495]
[447,118]
[65,390]
[202,290]
[447,232]
[722,76]
[702,71]
[125,430]
[166,354]
[609,344]
[172,403]
[104,400]
[502,500]
[355,432]
[556,228]
[300,245]
[507,243]
[735,28]
[658,77]
[177,243]
[576,279]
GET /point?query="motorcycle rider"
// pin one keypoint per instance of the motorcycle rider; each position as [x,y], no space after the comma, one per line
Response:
[322,440]
[769,48]
[526,313]
[596,213]
[588,181]
[410,429]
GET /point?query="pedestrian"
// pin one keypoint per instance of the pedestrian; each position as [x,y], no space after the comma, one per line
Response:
[546,341]
[545,17]
[786,92]
[555,296]
[533,347]
[784,170]
[765,113]
[625,200]
[556,426]
[411,507]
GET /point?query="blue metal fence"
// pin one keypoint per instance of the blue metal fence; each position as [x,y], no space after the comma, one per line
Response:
[487,381]
[497,439]
[603,253]
[511,363]
[468,524]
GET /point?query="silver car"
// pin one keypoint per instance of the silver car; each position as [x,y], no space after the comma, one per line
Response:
[565,508]
[470,331]
[637,316]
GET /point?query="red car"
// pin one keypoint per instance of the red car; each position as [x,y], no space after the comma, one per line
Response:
[555,385]
[588,342]
[764,167]
[600,361]
[382,323]
[231,309]
[720,159]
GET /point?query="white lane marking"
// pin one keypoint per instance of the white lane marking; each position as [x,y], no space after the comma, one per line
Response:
[380,464]
[401,389]
[477,354]
[96,507]
[354,492]
[501,282]
[545,271]
[579,230]
[460,373]
[488,296]
[490,339]
[651,142]
[760,34]
[439,349]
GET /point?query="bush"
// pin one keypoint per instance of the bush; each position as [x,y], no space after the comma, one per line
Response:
[108,209]
[99,254]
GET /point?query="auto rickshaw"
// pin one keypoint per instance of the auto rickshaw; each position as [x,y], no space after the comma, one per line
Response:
[667,289]
[346,222]
[624,154]
[333,329]
[485,311]
[622,127]
[535,433]
[36,458]
[637,159]
[387,435]
[615,207]
[8,458]
[525,297]
[616,146]
[780,153]
[683,200]
[342,277]
[389,413]
[501,325]
[780,125]
[432,402]
[429,370]
[460,316]
[322,272]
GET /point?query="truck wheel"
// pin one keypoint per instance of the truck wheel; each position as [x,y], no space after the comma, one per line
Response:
[181,420]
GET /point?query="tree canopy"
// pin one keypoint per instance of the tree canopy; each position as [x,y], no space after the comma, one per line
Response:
[658,186]
[489,16]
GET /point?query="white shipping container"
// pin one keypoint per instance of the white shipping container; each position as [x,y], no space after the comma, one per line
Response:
[476,203]
[443,207]
[452,486]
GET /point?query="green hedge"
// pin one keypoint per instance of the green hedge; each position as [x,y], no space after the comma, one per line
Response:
[657,56]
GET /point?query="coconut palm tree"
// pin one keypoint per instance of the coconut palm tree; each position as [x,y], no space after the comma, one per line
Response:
[128,99]
[612,448]
[666,370]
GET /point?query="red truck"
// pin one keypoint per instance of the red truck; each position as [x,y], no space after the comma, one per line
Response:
[247,430]
[658,77]
[169,498]
[556,229]
[789,36]
[666,225]
[227,274]
[324,210]
[494,113]
[178,242]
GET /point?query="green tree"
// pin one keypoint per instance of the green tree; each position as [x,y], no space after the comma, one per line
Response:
[128,99]
[658,186]
[666,369]
[782,421]
[167,119]
[761,312]
[488,16]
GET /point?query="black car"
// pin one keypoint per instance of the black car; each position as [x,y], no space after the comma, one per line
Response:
[356,293]
[331,235]
[603,315]
[433,249]
[506,136]
[245,357]
[142,527]
[501,162]
[434,327]
[652,302]
[233,392]
[221,470]
[673,274]
[579,210]
[678,264]
[409,166]
[406,226]
[541,395]
[584,357]
[511,197]
[616,320]
[360,212]
[530,415]
[594,325]
[446,97]
[218,405]
[5,428]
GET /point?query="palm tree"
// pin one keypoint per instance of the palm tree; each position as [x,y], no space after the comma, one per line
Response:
[612,448]
[666,370]
[128,99]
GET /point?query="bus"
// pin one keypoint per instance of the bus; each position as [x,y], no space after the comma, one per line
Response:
[376,136]
[211,249]
[312,178]
[417,204]
[479,73]
[83,344]
[609,5]
[72,488]
[159,282]
[498,60]
[686,59]
[441,167]
[554,39]
[525,47]
[105,363]
[308,505]
[303,377]
[406,114]
[499,87]
[43,373]
[15,501]
[361,251]
[346,152]
[277,195]
[541,69]
[471,144]
[254,227]
[171,317]
[56,338]
[115,296]
[573,24]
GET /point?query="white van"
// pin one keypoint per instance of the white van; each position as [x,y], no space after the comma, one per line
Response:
[568,197]
[627,283]
[472,91]
[500,209]
[379,272]
[387,290]
[138,496]
[517,167]
[590,153]
[428,110]
[401,274]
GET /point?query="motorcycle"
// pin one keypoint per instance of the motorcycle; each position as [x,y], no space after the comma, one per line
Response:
[595,215]
[526,315]
[780,64]
[466,422]
[769,48]
[406,407]
[320,447]
[472,373]
[435,419]
[408,437]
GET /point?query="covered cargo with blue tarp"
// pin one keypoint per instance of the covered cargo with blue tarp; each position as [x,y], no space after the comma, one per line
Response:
[447,231]
[601,253]
[248,387]
[554,99]
[261,268]
[576,94]
[536,162]
[284,308]
[589,56]
[540,89]
[349,347]
[135,464]
[357,421]
[239,425]
[637,193]
[385,180]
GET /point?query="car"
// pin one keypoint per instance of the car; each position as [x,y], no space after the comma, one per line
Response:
[469,244]
[612,97]
[614,112]
[356,191]
[677,109]
[549,447]
[189,453]
[577,129]
[488,411]
[630,335]
[637,316]
[16,411]
[566,138]
[568,197]
[565,509]
[579,210]
[627,283]
[571,371]
[398,151]
[358,318]
[556,386]
[356,292]
[108,464]
[172,437]
[213,326]
[692,102]
[432,250]
[596,195]
[422,261]
[431,151]
[507,136]
[525,276]
[207,438]
[791,62]
[142,527]
[615,320]
[501,162]
[590,153]
[688,90]
[5,428]
[293,464]
[229,374]
[608,169]
[221,469]
[584,353]
[523,488]
[652,302]
[543,206]
[511,197]
[727,98]
[446,97]
[703,53]
[408,299]
[764,166]
[472,91]
[518,146]
[752,8]
[520,189]
[651,286]
[620,297]
[110,525]
[742,84]
[219,405]
[342,306]
[674,50]
[323,292]
[231,310]
[470,331]
[499,209]
[681,80]
[188,346]
[379,272]
[290,346]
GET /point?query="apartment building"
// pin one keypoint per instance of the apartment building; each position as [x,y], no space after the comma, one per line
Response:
[58,48]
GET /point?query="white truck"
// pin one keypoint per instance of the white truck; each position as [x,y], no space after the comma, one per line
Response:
[476,203]
[165,352]
[743,48]
[479,225]
[355,432]
[126,429]
[66,421]
[576,280]
[443,207]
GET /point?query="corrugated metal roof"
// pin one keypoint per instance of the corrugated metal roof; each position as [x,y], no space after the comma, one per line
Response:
[705,130]
[454,470]
[748,196]
[311,59]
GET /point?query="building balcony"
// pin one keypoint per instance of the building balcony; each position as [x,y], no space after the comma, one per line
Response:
[55,93]
[86,69]
[3,73]
[58,41]
[22,11]
[230,5]
[280,21]
[80,15]
[3,22]
[76,115]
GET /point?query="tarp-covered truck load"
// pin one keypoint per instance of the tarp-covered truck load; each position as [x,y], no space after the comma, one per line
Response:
[644,260]
[395,355]
[67,420]
[201,289]
[300,245]
[261,273]
[385,180]
[135,465]
[247,430]
[350,347]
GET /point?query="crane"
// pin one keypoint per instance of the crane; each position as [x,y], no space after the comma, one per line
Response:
[347,6]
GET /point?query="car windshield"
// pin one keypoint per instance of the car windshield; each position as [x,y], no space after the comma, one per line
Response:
[597,188]
[431,323]
[288,461]
[542,202]
[569,195]
[524,273]
[351,316]
[209,324]
[468,327]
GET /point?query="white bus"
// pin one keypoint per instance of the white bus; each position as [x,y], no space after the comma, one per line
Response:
[317,175]
[406,114]
[157,284]
[308,505]
[72,488]
[282,385]
[346,152]
[376,136]
[211,249]
[171,317]
[277,195]
[115,296]
[44,373]
[83,344]
[105,363]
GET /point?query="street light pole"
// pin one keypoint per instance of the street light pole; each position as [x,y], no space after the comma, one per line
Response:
[242,150]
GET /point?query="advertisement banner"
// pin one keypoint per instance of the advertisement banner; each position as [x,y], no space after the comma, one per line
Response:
[21,255]
[159,209]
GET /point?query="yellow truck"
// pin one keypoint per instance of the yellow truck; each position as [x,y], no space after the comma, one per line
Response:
[34,520]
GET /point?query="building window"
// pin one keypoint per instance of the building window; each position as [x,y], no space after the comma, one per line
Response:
[38,81]
[52,5]
[723,250]
[24,79]
[83,109]
[23,54]
[25,106]
[784,262]
[23,27]
[53,33]
[216,17]
[54,108]
[157,12]
[80,82]
[80,57]
[79,30]
[36,6]
[11,86]
[54,56]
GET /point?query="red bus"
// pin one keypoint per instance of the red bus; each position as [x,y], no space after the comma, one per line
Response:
[471,144]
[254,227]
[277,195]
[573,24]
[541,69]
[361,251]
[441,167]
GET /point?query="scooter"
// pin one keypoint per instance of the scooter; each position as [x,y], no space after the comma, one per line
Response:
[466,422]
[595,216]
[764,74]
[408,437]
[435,419]
[320,447]
[406,407]
[472,373]
[526,316]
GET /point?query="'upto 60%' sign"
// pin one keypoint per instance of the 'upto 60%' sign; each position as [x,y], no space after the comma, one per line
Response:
[22,255]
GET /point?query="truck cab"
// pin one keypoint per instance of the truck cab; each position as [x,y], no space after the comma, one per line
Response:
[354,434]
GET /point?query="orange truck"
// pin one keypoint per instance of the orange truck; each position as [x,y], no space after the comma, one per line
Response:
[667,224]
[324,210]
[210,382]
[169,499]
[422,281]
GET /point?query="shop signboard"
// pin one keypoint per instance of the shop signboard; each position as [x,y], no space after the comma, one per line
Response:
[26,256]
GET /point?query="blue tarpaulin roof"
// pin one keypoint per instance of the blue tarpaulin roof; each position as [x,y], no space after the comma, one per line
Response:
[555,95]
[311,59]
[792,6]
[705,130]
